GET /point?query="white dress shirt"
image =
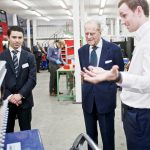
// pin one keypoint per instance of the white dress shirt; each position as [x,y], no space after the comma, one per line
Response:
[136,82]
[18,54]
[98,51]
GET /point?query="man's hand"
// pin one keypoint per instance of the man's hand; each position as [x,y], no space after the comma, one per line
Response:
[94,74]
[97,74]
[16,99]
[96,70]
[58,62]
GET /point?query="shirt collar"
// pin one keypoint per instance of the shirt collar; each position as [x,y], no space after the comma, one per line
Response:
[142,30]
[12,49]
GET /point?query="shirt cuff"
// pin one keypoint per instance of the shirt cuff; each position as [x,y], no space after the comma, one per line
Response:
[125,80]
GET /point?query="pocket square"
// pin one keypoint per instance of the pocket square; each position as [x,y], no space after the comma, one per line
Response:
[108,61]
[25,65]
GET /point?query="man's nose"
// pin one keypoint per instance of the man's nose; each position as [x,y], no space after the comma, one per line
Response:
[17,39]
[122,22]
[89,35]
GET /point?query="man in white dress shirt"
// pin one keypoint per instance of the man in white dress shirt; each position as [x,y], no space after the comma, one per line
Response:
[135,95]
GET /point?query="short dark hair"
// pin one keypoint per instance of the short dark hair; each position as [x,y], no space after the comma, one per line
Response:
[132,4]
[15,28]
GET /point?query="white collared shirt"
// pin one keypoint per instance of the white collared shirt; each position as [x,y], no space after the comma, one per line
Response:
[18,54]
[136,82]
[98,51]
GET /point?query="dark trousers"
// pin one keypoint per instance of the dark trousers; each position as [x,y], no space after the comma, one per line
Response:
[24,118]
[38,63]
[106,124]
[136,123]
[53,77]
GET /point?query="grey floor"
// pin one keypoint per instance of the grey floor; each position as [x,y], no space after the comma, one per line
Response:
[60,122]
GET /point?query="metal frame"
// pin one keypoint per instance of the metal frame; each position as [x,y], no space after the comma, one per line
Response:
[79,141]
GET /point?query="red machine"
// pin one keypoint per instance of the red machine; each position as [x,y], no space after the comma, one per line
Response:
[3,28]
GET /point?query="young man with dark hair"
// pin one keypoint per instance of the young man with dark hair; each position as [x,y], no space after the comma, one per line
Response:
[19,81]
[99,101]
[135,95]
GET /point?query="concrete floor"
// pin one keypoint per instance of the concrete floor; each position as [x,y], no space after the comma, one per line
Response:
[60,122]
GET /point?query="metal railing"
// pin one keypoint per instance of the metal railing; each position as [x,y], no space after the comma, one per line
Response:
[79,141]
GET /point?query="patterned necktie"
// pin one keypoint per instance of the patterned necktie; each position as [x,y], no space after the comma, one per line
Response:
[93,58]
[15,60]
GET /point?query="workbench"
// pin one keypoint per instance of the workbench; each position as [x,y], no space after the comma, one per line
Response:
[70,84]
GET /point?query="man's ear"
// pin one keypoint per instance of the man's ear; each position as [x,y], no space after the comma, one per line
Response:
[139,11]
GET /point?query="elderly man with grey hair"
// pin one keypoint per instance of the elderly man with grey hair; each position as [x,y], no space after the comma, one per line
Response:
[99,101]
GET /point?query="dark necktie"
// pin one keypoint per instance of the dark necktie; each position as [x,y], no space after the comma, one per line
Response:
[93,58]
[15,60]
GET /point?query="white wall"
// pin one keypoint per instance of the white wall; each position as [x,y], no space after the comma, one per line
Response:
[47,29]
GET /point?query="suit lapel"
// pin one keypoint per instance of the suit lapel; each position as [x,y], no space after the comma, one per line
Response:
[104,54]
[87,55]
[9,60]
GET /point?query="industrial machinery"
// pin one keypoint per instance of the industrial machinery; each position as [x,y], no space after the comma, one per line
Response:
[3,107]
[3,29]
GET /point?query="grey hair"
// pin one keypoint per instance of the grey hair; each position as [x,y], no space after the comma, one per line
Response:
[93,21]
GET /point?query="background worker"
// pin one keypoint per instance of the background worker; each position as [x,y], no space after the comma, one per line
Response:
[55,61]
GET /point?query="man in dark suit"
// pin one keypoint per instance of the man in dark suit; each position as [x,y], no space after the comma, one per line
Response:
[19,81]
[99,100]
[38,56]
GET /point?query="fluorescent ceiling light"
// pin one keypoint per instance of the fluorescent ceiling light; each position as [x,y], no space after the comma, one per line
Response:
[62,4]
[21,4]
[69,12]
[50,17]
[101,11]
[45,18]
[35,13]
[103,3]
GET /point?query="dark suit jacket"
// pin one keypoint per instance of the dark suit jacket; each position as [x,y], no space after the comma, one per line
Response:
[37,53]
[103,93]
[26,79]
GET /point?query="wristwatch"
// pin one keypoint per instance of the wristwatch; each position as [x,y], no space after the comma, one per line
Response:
[119,77]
